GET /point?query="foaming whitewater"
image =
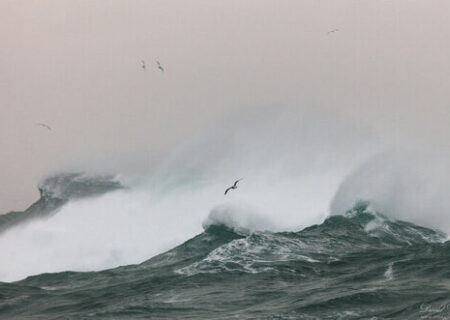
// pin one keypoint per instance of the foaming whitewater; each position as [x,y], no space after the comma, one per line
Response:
[240,218]
[339,269]
[404,183]
[304,236]
[292,165]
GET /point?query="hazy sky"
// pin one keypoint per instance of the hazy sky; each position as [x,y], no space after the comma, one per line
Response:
[75,65]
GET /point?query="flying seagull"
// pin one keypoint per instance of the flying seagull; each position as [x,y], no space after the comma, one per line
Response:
[234,186]
[332,31]
[44,126]
[159,66]
[144,67]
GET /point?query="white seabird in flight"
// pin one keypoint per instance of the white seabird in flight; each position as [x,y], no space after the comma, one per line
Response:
[159,66]
[44,126]
[332,31]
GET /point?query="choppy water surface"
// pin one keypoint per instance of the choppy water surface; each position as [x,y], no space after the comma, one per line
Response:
[358,266]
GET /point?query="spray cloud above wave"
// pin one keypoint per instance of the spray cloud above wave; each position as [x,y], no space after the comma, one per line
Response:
[292,162]
[406,184]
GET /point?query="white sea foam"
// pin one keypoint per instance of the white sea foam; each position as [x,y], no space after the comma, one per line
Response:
[403,184]
[239,217]
[389,273]
[252,254]
[292,165]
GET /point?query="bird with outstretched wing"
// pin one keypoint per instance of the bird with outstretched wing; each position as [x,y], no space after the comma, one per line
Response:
[332,31]
[159,66]
[44,126]
[234,186]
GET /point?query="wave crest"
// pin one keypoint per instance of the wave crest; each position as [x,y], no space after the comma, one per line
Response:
[238,217]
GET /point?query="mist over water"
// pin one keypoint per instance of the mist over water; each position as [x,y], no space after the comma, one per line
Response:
[333,114]
[291,163]
[298,167]
[404,183]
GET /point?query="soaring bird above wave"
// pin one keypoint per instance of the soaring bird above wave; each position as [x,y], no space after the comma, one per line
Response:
[234,186]
[159,66]
[332,31]
[44,126]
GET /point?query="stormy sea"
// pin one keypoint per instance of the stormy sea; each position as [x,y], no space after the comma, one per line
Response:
[360,265]
[313,231]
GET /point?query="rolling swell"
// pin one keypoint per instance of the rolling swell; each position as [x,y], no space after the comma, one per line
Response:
[361,265]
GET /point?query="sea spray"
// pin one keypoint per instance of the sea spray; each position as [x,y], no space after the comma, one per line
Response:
[404,183]
[292,164]
[337,269]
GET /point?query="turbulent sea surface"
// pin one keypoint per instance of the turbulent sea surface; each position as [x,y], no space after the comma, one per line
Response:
[360,265]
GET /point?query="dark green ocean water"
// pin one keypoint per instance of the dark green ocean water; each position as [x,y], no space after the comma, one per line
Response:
[358,266]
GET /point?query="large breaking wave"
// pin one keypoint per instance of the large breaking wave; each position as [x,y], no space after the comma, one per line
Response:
[361,265]
[294,165]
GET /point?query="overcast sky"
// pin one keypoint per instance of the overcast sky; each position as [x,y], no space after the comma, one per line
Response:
[75,65]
